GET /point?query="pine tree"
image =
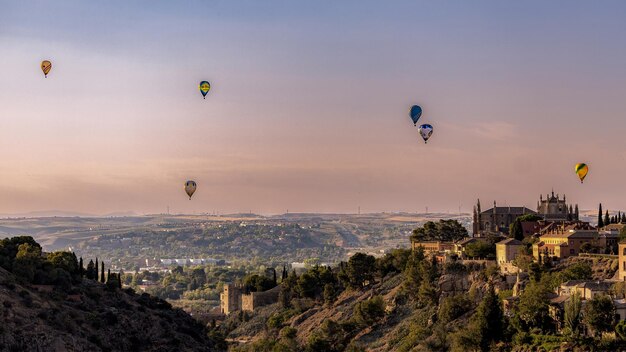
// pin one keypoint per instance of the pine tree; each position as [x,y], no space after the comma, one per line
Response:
[600,222]
[607,219]
[487,324]
[102,272]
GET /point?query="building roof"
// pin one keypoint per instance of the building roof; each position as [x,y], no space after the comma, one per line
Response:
[614,227]
[572,234]
[468,240]
[511,242]
[509,210]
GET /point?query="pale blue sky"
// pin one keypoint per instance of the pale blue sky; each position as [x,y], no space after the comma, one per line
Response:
[308,107]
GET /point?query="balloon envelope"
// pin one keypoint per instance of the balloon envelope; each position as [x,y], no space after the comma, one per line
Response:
[204,88]
[581,170]
[190,188]
[415,113]
[426,131]
[45,67]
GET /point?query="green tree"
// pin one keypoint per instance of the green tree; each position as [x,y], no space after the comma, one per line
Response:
[533,305]
[515,229]
[600,222]
[369,311]
[360,269]
[27,260]
[578,271]
[91,270]
[329,294]
[607,218]
[102,272]
[480,249]
[412,273]
[599,314]
[488,320]
[571,317]
[444,230]
[620,330]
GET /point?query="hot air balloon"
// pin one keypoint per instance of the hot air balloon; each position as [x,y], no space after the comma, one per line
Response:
[426,131]
[190,188]
[45,67]
[581,170]
[204,88]
[415,114]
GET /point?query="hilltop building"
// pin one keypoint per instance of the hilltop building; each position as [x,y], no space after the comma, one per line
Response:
[562,241]
[498,219]
[233,299]
[506,252]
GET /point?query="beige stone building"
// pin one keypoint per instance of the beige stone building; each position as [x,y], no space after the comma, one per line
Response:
[431,247]
[230,299]
[254,300]
[622,261]
[233,299]
[566,241]
[507,250]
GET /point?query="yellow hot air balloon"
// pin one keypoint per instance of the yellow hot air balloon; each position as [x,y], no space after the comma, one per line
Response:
[581,170]
[190,188]
[45,67]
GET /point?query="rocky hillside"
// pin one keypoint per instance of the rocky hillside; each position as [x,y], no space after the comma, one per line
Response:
[91,317]
[403,326]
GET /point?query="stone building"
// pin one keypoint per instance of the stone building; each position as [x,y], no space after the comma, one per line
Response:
[553,208]
[498,219]
[495,220]
[230,299]
[563,241]
[506,252]
[233,299]
[254,300]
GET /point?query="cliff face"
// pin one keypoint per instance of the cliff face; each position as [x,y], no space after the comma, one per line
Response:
[90,317]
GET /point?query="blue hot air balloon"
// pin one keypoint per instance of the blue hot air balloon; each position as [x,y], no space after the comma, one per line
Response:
[415,113]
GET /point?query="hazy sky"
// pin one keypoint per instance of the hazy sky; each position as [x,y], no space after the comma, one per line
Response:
[308,109]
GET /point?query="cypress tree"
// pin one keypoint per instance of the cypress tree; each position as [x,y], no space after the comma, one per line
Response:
[119,281]
[275,282]
[102,272]
[90,270]
[600,222]
[607,219]
[95,273]
[81,268]
[108,275]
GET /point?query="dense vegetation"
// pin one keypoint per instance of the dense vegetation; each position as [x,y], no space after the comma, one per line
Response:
[402,300]
[50,301]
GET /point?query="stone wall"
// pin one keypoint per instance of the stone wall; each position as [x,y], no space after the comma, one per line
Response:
[254,300]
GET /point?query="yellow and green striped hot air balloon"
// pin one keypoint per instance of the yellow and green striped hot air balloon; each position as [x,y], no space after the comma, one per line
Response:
[581,170]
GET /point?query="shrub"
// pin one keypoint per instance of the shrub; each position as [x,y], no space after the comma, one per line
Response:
[369,311]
